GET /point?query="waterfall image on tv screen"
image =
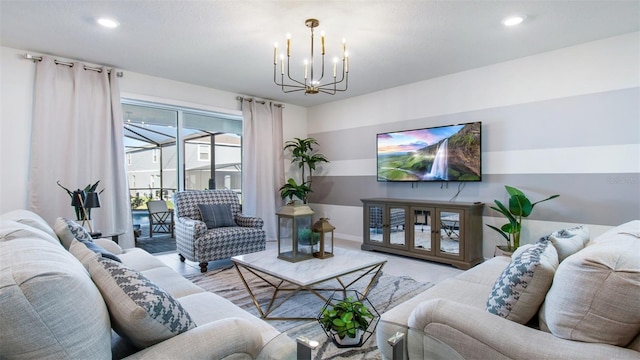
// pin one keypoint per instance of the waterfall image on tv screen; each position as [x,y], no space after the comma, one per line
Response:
[445,153]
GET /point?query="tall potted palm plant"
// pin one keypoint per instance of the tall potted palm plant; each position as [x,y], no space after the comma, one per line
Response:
[306,157]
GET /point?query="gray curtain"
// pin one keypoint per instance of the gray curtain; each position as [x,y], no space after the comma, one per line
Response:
[262,158]
[77,140]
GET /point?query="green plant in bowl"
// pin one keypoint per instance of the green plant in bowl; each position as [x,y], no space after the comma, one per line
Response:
[346,317]
[308,237]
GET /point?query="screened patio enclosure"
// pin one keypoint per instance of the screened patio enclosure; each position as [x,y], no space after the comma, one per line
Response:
[161,140]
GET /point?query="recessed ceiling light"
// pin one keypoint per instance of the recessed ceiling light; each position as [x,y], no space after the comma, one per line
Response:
[107,22]
[513,20]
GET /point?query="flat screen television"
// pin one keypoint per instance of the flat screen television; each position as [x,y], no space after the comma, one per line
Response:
[444,153]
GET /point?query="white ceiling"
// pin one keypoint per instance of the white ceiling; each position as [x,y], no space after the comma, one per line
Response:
[228,45]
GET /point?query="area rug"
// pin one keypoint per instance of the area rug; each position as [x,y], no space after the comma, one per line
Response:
[387,292]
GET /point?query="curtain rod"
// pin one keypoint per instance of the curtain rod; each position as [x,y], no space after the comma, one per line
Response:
[58,62]
[240,98]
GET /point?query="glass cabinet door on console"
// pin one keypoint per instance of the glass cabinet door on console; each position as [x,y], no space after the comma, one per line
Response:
[397,218]
[375,231]
[422,234]
[444,231]
[450,228]
[385,225]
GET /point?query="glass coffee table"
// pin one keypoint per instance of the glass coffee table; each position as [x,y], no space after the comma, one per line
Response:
[313,343]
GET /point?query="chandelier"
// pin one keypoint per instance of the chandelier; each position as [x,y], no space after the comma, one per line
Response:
[312,83]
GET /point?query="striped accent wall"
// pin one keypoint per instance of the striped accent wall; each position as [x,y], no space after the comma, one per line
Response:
[582,143]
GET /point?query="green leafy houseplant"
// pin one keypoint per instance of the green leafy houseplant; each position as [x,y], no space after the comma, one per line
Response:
[519,207]
[304,155]
[308,237]
[291,189]
[80,215]
[346,317]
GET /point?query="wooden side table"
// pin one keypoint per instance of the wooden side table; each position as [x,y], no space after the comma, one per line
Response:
[113,236]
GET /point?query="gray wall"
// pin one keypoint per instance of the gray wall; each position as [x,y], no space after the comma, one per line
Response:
[565,122]
[594,197]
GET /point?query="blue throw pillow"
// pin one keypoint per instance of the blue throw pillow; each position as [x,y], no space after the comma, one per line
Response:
[100,250]
[216,215]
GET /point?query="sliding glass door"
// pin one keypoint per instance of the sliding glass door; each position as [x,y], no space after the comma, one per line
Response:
[170,148]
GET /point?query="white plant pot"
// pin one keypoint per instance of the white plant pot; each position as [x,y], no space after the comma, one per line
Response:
[347,340]
[309,250]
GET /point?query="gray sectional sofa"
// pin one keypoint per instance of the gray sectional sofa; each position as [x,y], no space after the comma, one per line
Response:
[565,297]
[62,300]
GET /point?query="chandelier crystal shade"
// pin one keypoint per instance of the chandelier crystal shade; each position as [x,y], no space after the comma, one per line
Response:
[313,80]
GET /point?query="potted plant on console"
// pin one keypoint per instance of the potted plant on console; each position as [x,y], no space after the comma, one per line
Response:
[519,207]
[346,320]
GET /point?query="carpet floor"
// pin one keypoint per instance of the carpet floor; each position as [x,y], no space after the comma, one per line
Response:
[387,292]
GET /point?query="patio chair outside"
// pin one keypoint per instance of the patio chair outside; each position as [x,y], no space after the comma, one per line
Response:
[160,218]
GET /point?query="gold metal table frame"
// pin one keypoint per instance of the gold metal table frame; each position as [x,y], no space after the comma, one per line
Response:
[280,284]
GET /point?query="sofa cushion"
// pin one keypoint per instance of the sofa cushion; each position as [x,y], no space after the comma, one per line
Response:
[140,260]
[611,235]
[79,250]
[11,230]
[520,290]
[172,282]
[82,253]
[200,308]
[50,307]
[569,241]
[29,218]
[216,215]
[109,245]
[594,296]
[67,230]
[141,311]
[100,250]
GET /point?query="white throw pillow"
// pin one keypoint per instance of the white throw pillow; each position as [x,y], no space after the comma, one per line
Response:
[569,241]
[520,290]
[595,294]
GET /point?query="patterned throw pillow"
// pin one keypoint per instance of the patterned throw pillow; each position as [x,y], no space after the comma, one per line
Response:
[521,288]
[216,215]
[78,231]
[140,310]
[569,241]
[67,230]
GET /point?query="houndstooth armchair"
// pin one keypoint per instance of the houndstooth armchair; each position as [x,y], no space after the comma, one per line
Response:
[197,243]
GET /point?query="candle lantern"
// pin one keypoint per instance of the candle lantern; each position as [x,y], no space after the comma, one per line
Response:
[325,231]
[295,238]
